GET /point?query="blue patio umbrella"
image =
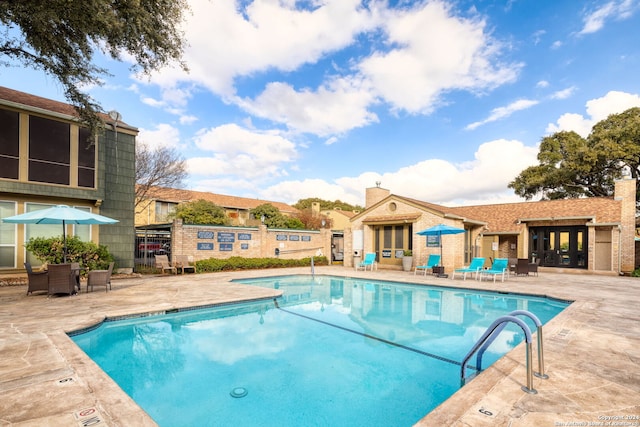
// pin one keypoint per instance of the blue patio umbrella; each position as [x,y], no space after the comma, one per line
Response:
[440,230]
[60,214]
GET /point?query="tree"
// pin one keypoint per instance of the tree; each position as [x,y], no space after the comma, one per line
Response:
[274,219]
[201,212]
[311,220]
[60,38]
[572,166]
[325,204]
[161,167]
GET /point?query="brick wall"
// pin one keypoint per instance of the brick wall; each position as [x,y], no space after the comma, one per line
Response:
[210,241]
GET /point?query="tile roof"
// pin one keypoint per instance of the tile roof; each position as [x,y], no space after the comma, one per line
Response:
[34,101]
[177,195]
[504,217]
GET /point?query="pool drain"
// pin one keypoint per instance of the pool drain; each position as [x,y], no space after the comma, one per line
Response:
[239,392]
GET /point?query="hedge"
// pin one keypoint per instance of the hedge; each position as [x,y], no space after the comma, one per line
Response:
[240,263]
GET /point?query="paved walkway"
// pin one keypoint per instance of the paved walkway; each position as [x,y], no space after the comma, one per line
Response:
[592,352]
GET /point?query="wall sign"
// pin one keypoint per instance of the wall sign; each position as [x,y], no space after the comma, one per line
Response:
[205,234]
[386,253]
[306,238]
[294,237]
[281,237]
[226,237]
[202,246]
[244,236]
[433,241]
[225,247]
[244,246]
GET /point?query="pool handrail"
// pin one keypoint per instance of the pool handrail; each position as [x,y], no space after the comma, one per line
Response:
[538,323]
[488,333]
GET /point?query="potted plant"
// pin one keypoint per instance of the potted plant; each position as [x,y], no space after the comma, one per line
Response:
[407,259]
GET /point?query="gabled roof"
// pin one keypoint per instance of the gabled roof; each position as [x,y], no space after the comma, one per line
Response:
[23,99]
[505,217]
[177,195]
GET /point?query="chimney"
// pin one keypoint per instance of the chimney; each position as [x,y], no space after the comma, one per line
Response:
[374,194]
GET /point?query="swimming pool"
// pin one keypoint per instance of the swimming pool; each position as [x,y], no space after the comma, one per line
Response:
[330,351]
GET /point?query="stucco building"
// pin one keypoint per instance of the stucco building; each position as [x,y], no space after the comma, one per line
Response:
[48,158]
[591,234]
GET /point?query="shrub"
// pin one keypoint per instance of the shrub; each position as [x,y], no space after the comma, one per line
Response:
[240,263]
[88,254]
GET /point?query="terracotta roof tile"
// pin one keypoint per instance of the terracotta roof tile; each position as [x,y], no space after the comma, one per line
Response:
[230,202]
[45,103]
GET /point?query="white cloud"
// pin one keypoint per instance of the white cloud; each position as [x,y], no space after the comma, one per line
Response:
[419,67]
[613,10]
[598,109]
[241,152]
[482,180]
[542,84]
[228,39]
[164,135]
[556,45]
[337,106]
[502,112]
[564,93]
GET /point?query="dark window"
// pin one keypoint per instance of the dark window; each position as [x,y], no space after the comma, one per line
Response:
[49,151]
[9,144]
[86,159]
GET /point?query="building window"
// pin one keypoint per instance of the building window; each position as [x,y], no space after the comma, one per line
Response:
[7,236]
[49,151]
[164,210]
[393,206]
[9,144]
[86,159]
[82,231]
[39,230]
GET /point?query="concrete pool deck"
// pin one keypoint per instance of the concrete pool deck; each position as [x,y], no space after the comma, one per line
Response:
[592,351]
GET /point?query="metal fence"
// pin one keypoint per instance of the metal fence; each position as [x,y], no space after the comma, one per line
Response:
[150,243]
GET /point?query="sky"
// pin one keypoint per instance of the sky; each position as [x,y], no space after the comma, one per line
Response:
[441,101]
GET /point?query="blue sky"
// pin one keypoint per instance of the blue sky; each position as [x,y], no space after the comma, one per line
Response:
[443,101]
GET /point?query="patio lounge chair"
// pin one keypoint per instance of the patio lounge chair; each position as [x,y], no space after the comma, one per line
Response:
[368,261]
[432,261]
[61,279]
[184,262]
[476,265]
[100,278]
[500,267]
[162,263]
[38,280]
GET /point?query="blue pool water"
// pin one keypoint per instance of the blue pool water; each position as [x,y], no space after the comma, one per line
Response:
[331,352]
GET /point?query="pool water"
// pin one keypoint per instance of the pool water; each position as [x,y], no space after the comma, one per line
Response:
[331,351]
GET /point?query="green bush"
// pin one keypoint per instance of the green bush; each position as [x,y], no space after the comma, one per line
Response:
[88,254]
[240,263]
[635,273]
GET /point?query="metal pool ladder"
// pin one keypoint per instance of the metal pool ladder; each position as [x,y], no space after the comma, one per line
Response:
[491,334]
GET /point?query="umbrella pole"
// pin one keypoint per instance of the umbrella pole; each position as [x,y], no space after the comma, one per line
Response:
[64,242]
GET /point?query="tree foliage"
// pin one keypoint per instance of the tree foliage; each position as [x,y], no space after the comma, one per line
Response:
[571,166]
[313,221]
[160,167]
[60,37]
[325,204]
[88,254]
[273,218]
[201,212]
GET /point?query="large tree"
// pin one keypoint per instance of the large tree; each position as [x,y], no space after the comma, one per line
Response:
[325,204]
[60,37]
[201,212]
[159,167]
[572,166]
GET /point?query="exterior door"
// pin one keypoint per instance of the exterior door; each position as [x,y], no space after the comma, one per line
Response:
[559,246]
[390,241]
